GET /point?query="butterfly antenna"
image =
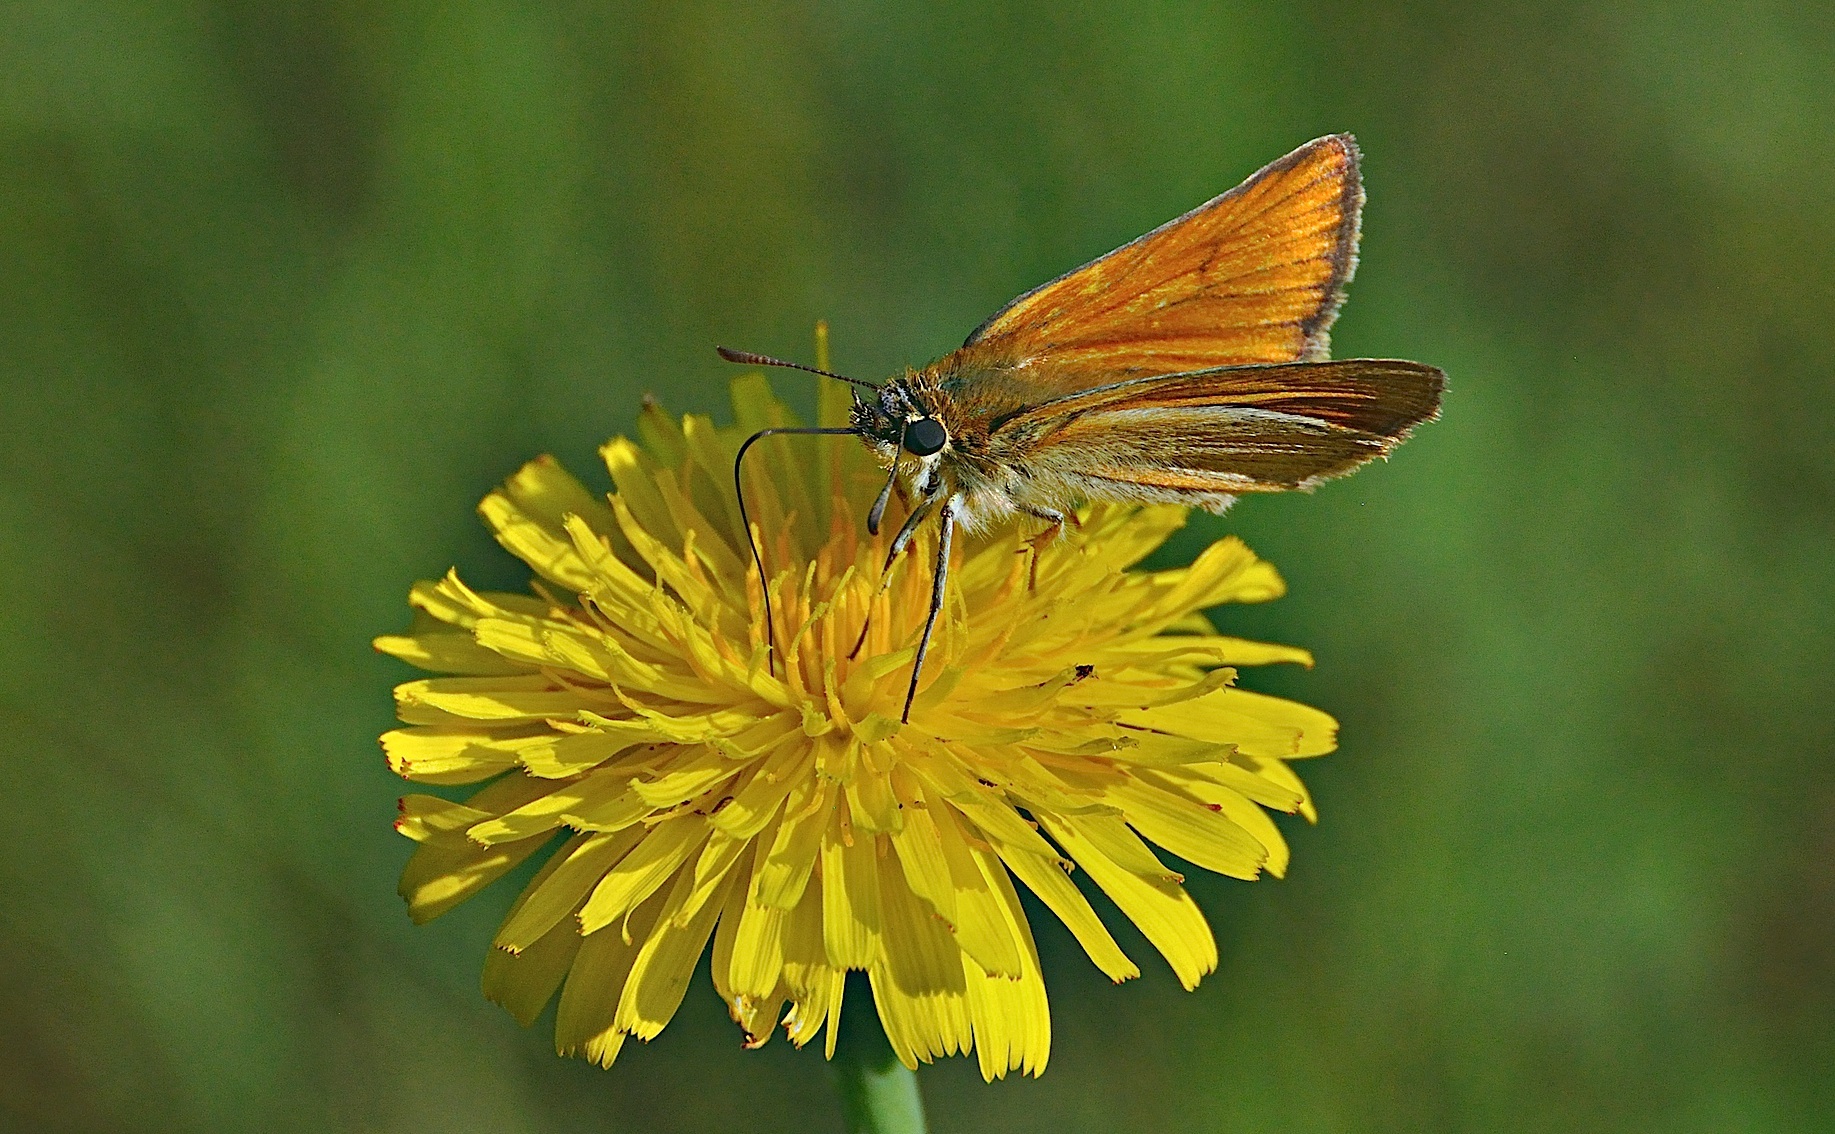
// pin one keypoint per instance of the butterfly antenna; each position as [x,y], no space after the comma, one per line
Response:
[745,519]
[747,358]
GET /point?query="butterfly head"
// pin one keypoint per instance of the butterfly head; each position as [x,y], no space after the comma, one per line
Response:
[897,423]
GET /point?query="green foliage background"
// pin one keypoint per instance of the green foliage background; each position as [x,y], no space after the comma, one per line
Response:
[285,287]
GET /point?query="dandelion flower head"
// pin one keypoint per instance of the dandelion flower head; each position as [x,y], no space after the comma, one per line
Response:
[625,718]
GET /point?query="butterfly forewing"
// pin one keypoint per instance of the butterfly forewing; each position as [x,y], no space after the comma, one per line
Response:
[1253,276]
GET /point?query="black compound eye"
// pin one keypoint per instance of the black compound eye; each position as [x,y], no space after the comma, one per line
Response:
[925,436]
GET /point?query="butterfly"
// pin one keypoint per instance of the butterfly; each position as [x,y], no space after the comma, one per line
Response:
[1190,365]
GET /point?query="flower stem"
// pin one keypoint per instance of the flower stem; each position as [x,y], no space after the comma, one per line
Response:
[879,1095]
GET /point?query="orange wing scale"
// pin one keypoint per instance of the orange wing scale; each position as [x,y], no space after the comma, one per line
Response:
[1253,276]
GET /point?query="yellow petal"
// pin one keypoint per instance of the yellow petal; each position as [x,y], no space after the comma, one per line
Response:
[918,845]
[551,809]
[1162,909]
[1191,830]
[693,771]
[635,475]
[1257,724]
[870,801]
[442,822]
[668,567]
[759,797]
[1226,571]
[450,601]
[711,457]
[851,918]
[659,975]
[922,986]
[708,534]
[583,1023]
[554,894]
[661,434]
[753,1010]
[454,756]
[1047,880]
[814,985]
[984,917]
[525,981]
[718,859]
[1239,810]
[783,462]
[1284,776]
[682,728]
[1012,1017]
[1250,784]
[558,756]
[438,878]
[1236,651]
[1143,691]
[922,957]
[452,700]
[433,821]
[758,945]
[786,870]
[525,516]
[928,1020]
[452,652]
[642,872]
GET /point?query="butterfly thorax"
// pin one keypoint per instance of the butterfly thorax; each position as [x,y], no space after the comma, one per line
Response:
[943,429]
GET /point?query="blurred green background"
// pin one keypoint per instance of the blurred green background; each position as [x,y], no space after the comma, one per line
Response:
[285,287]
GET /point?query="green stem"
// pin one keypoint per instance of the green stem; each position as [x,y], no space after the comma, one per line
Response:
[879,1095]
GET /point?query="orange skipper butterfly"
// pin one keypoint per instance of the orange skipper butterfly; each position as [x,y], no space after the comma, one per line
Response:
[1189,365]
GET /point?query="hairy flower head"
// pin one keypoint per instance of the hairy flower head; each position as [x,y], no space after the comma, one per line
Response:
[627,718]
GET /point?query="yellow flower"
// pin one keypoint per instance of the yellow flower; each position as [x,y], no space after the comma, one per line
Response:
[1072,712]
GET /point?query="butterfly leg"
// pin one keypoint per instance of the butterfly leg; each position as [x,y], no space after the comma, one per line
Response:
[878,511]
[939,583]
[899,543]
[1055,522]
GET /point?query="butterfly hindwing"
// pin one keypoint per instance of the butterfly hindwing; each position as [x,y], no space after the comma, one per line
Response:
[1232,429]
